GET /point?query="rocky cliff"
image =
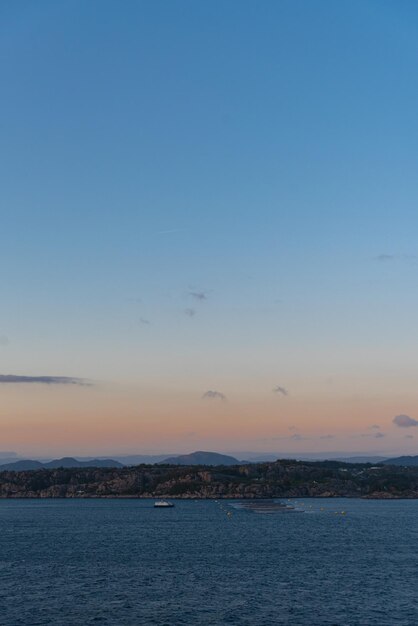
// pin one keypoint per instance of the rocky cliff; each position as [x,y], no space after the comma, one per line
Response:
[262,480]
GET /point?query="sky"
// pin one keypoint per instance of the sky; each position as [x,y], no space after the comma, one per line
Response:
[208,226]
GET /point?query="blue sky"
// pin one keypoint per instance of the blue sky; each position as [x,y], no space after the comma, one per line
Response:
[263,154]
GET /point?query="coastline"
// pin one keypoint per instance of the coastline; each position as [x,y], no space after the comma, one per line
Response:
[208,498]
[275,480]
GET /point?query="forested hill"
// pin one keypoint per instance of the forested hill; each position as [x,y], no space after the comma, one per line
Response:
[264,480]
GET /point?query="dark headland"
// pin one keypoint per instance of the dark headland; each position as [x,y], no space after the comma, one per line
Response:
[283,478]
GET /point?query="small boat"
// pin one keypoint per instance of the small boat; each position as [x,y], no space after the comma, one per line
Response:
[163,504]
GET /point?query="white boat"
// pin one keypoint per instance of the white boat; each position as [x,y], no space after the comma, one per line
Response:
[163,504]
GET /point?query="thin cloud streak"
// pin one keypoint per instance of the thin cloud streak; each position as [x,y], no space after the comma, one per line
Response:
[297,437]
[43,380]
[280,390]
[198,295]
[213,395]
[385,258]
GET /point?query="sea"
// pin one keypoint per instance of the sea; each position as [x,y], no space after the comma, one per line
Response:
[123,562]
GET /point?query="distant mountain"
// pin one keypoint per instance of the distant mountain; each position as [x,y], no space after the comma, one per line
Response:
[402,460]
[67,462]
[344,457]
[362,459]
[9,457]
[268,458]
[259,457]
[70,462]
[21,466]
[126,460]
[8,461]
[138,459]
[201,458]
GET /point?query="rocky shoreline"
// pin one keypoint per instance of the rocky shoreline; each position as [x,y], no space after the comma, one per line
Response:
[281,479]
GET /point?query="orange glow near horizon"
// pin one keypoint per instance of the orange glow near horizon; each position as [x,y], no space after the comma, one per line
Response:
[105,420]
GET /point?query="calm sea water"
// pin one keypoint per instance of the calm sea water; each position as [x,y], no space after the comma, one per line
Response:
[122,562]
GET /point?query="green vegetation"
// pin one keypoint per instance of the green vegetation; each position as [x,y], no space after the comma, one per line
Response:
[284,478]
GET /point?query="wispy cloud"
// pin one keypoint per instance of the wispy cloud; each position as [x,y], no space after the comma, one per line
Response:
[297,437]
[142,320]
[280,390]
[404,421]
[43,380]
[385,258]
[377,435]
[374,427]
[409,436]
[327,437]
[190,312]
[213,395]
[198,295]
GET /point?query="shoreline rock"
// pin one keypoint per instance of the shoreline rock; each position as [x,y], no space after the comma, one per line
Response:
[281,479]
